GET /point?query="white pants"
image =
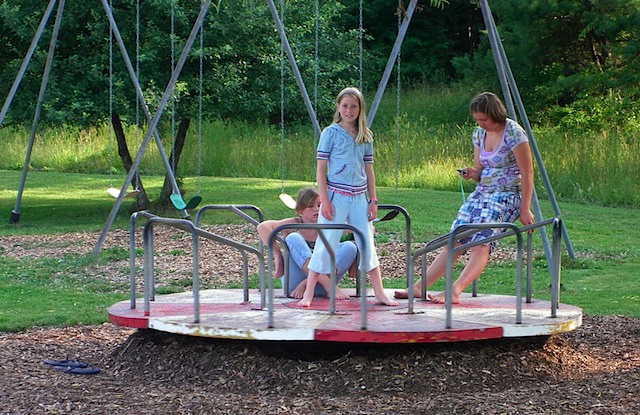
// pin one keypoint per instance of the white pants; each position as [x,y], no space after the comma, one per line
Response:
[299,253]
[352,210]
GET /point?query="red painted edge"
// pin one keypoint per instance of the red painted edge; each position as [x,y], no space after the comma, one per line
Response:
[133,322]
[363,336]
[122,315]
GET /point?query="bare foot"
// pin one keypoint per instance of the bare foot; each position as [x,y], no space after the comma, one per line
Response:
[298,293]
[383,299]
[440,298]
[341,295]
[403,295]
[305,302]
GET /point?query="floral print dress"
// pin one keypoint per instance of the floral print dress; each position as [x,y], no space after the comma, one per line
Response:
[498,193]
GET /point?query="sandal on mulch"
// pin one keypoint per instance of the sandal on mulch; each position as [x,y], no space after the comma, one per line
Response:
[82,370]
[65,364]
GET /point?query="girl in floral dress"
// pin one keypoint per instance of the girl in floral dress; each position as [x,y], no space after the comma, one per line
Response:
[504,171]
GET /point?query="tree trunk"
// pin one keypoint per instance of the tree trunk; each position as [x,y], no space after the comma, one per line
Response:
[174,159]
[142,201]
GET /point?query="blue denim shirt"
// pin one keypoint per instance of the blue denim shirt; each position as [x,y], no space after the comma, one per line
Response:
[346,160]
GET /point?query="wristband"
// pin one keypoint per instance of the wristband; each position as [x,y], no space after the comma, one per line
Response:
[373,200]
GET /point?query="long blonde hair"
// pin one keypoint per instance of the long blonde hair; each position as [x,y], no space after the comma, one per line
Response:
[364,133]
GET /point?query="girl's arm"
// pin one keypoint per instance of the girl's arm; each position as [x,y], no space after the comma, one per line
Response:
[372,210]
[474,172]
[264,231]
[522,152]
[321,177]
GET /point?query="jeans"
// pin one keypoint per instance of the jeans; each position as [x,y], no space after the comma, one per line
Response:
[351,210]
[299,253]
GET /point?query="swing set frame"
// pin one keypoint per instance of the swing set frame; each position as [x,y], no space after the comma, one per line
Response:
[509,91]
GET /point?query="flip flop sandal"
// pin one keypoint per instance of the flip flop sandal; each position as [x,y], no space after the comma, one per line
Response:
[65,368]
[82,370]
[64,364]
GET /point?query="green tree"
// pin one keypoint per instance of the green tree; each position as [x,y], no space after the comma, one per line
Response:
[574,58]
[438,32]
[242,61]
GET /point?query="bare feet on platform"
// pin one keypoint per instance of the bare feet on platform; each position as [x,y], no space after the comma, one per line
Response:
[403,295]
[305,302]
[298,293]
[440,298]
[341,295]
[384,300]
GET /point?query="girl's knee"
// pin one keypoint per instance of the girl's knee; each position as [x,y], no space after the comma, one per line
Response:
[350,249]
[294,238]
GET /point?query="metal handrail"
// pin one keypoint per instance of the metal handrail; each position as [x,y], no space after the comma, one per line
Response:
[450,251]
[196,233]
[407,227]
[132,254]
[469,229]
[364,259]
[239,210]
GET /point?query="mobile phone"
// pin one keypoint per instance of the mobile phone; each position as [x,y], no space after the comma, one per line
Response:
[460,171]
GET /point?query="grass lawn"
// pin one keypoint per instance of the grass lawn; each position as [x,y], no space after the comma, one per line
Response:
[602,279]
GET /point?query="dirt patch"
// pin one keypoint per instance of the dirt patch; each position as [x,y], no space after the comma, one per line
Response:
[219,265]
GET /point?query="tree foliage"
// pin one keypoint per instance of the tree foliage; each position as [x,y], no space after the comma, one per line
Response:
[241,59]
[571,58]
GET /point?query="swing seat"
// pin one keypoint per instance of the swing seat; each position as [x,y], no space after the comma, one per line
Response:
[177,201]
[116,192]
[288,200]
[193,202]
[390,215]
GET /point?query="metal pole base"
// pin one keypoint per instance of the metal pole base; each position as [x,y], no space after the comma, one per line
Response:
[14,218]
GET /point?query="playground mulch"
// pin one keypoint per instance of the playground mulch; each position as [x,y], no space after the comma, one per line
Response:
[593,370]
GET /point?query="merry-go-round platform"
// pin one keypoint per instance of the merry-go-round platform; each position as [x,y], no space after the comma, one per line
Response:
[269,315]
[223,313]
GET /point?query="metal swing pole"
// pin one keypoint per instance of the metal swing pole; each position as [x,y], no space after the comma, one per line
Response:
[134,78]
[15,213]
[402,31]
[506,91]
[156,118]
[26,60]
[294,67]
[495,40]
[286,198]
[507,94]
